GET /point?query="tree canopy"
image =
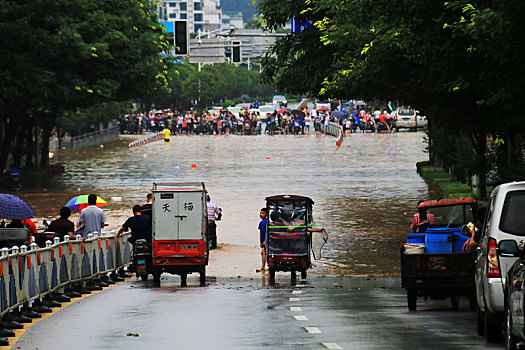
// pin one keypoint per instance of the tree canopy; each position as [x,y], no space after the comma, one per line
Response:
[63,55]
[458,61]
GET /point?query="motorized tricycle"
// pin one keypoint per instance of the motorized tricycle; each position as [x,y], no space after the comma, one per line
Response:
[180,237]
[142,261]
[289,237]
[433,263]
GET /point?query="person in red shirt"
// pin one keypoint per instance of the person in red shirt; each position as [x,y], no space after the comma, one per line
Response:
[31,228]
[383,120]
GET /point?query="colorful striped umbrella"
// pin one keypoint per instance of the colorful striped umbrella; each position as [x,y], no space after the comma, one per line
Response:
[12,207]
[81,202]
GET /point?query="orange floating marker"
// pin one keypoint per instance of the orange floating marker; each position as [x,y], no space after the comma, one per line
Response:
[194,165]
[267,157]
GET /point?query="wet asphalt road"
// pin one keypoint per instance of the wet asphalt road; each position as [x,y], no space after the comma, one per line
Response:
[245,313]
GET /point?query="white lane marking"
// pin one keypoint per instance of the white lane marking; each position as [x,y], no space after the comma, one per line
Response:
[297,292]
[332,346]
[313,330]
[295,308]
[301,286]
[301,318]
[295,299]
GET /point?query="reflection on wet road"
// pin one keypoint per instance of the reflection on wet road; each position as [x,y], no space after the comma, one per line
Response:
[364,194]
[241,313]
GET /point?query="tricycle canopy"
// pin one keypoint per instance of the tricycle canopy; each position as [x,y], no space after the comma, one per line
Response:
[290,217]
[450,212]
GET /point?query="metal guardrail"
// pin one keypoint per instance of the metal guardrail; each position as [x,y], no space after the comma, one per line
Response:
[333,129]
[28,275]
[86,140]
[93,138]
[148,139]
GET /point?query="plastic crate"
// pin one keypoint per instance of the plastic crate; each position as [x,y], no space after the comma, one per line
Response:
[438,243]
[416,238]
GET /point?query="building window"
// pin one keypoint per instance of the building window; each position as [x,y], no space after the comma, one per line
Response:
[183,16]
[197,27]
[197,6]
[183,6]
[172,4]
[173,15]
[197,17]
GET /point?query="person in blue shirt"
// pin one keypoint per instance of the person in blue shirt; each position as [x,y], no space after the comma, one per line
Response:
[263,225]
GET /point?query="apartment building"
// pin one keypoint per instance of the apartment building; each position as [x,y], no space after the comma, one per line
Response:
[202,15]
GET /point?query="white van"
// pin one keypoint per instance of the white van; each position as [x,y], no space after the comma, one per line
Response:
[505,220]
[406,118]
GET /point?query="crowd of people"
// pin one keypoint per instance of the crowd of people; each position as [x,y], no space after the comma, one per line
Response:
[251,122]
[221,122]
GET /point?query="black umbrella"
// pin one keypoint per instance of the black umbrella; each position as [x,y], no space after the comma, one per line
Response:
[339,114]
[298,114]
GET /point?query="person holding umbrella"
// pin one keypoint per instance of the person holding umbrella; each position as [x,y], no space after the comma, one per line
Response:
[92,218]
[12,207]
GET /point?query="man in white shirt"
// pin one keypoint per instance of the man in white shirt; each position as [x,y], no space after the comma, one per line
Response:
[92,218]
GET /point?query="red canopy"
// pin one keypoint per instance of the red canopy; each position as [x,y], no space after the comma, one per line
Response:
[446,202]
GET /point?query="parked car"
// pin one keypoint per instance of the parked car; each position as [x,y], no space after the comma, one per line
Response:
[281,100]
[266,109]
[235,110]
[243,105]
[504,221]
[406,118]
[422,121]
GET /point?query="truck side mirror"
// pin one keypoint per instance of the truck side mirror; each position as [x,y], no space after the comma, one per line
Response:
[508,248]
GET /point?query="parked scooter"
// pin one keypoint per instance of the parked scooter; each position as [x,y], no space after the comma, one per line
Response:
[142,263]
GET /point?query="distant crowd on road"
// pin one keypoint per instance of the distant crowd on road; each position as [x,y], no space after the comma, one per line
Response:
[253,121]
[220,122]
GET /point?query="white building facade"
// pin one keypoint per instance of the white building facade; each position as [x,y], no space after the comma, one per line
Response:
[202,15]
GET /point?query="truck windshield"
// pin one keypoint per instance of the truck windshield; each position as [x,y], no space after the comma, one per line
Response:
[452,216]
[512,218]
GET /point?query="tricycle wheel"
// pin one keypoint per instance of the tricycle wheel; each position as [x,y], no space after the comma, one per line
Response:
[202,277]
[156,275]
[412,299]
[303,274]
[144,277]
[272,277]
[183,277]
[455,303]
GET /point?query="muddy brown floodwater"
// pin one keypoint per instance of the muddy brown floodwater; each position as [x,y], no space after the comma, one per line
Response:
[364,194]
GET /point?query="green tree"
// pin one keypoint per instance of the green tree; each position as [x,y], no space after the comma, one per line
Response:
[407,51]
[64,55]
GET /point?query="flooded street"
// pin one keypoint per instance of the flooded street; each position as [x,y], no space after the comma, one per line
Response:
[364,194]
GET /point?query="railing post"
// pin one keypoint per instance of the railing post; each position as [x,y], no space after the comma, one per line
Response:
[56,240]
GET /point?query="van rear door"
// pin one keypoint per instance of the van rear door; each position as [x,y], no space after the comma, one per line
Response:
[178,214]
